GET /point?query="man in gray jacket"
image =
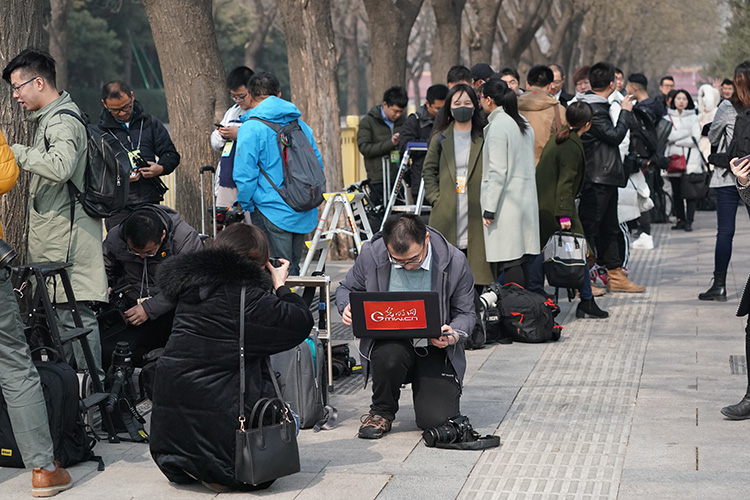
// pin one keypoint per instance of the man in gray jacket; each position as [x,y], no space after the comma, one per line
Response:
[408,256]
[133,251]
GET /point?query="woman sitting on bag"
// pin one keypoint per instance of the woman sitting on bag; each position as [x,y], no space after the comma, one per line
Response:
[683,141]
[452,173]
[196,395]
[559,178]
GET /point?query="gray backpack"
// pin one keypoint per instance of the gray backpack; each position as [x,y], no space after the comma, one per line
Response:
[304,179]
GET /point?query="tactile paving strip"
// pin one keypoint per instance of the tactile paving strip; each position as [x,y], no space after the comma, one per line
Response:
[566,434]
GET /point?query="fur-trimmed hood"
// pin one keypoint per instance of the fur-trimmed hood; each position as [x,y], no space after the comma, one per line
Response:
[209,269]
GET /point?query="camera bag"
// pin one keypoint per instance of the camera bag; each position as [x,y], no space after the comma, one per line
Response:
[527,316]
[72,444]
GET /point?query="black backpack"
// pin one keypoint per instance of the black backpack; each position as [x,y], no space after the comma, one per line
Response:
[72,444]
[527,316]
[739,146]
[106,181]
[304,179]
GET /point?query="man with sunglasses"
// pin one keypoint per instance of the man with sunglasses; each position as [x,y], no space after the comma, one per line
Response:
[146,141]
[58,154]
[409,256]
[133,252]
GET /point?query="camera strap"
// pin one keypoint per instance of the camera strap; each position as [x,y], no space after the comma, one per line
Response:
[481,443]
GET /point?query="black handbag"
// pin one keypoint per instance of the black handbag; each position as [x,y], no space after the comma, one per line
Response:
[695,186]
[267,449]
[565,260]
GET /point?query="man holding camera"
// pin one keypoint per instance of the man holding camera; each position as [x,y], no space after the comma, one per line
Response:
[133,251]
[19,379]
[408,256]
[145,139]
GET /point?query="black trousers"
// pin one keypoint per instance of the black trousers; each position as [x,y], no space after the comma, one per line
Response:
[597,210]
[678,202]
[434,382]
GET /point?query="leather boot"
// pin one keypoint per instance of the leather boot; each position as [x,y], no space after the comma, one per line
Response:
[740,411]
[45,483]
[618,282]
[718,290]
[589,307]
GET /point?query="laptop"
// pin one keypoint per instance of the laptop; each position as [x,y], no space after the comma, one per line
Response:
[395,315]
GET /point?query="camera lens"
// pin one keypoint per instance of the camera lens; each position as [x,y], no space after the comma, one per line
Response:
[7,253]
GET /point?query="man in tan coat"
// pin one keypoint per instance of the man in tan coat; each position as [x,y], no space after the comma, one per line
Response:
[543,112]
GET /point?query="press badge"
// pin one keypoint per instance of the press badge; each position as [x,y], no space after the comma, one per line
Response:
[461,184]
[132,156]
[227,149]
[394,156]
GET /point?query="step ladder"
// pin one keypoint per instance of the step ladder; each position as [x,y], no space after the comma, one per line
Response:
[41,317]
[415,207]
[357,226]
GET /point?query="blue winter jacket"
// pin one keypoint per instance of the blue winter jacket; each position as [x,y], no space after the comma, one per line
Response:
[257,146]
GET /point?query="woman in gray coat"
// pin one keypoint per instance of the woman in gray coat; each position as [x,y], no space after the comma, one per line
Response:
[508,196]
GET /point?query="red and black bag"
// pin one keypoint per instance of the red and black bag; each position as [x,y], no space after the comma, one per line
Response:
[527,316]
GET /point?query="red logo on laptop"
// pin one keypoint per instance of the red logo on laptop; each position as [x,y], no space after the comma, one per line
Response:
[395,315]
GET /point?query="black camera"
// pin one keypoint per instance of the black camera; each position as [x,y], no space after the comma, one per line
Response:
[228,215]
[454,430]
[139,162]
[634,162]
[7,253]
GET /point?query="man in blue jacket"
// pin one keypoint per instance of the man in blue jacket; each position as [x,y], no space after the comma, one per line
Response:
[257,148]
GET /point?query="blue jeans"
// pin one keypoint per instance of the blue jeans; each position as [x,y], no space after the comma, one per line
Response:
[283,243]
[727,201]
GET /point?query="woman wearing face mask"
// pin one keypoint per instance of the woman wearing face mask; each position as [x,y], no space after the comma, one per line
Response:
[452,173]
[508,198]
[683,140]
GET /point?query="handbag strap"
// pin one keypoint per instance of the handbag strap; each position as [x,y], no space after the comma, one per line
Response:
[703,158]
[242,359]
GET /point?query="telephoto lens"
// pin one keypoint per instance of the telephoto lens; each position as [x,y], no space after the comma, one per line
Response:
[7,253]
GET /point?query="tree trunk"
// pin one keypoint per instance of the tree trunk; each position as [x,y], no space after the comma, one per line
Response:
[446,49]
[194,87]
[483,34]
[312,72]
[58,39]
[390,23]
[253,47]
[25,31]
[353,76]
[519,24]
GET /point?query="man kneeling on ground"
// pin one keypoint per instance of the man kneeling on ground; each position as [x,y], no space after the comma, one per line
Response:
[408,256]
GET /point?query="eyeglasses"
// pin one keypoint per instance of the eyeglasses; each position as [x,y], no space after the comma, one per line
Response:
[17,88]
[398,263]
[239,98]
[143,254]
[124,109]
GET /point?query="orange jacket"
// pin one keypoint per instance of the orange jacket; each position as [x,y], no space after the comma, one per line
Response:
[8,169]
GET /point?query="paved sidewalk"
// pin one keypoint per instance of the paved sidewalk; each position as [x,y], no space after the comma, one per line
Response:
[623,408]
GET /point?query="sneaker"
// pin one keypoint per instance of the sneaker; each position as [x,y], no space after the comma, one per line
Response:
[47,483]
[599,276]
[644,242]
[373,426]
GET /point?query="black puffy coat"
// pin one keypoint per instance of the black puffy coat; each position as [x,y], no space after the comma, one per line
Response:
[196,395]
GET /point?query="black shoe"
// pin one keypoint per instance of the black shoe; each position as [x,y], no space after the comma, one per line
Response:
[589,307]
[740,411]
[688,226]
[718,290]
[373,426]
[680,224]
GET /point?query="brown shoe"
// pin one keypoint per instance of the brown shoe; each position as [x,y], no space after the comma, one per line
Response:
[45,483]
[618,282]
[598,292]
[373,426]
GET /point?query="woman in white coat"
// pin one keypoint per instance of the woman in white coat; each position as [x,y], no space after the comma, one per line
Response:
[683,140]
[508,195]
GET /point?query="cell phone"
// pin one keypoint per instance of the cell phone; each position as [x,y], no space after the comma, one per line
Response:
[218,125]
[275,262]
[740,160]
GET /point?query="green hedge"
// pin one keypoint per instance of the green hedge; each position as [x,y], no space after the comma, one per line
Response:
[89,100]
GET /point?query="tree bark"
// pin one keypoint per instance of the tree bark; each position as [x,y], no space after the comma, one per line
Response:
[518,25]
[482,35]
[312,72]
[194,87]
[446,49]
[351,55]
[25,31]
[390,23]
[58,39]
[253,46]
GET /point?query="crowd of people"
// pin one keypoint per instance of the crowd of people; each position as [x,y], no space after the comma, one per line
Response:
[506,166]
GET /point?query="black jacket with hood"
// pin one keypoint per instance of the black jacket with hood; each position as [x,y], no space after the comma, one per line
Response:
[196,396]
[125,267]
[601,142]
[147,134]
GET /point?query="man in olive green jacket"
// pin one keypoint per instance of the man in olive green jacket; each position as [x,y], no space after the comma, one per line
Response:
[378,137]
[59,154]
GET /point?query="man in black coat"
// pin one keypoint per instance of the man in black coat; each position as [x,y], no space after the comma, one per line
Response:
[557,88]
[418,128]
[145,139]
[604,174]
